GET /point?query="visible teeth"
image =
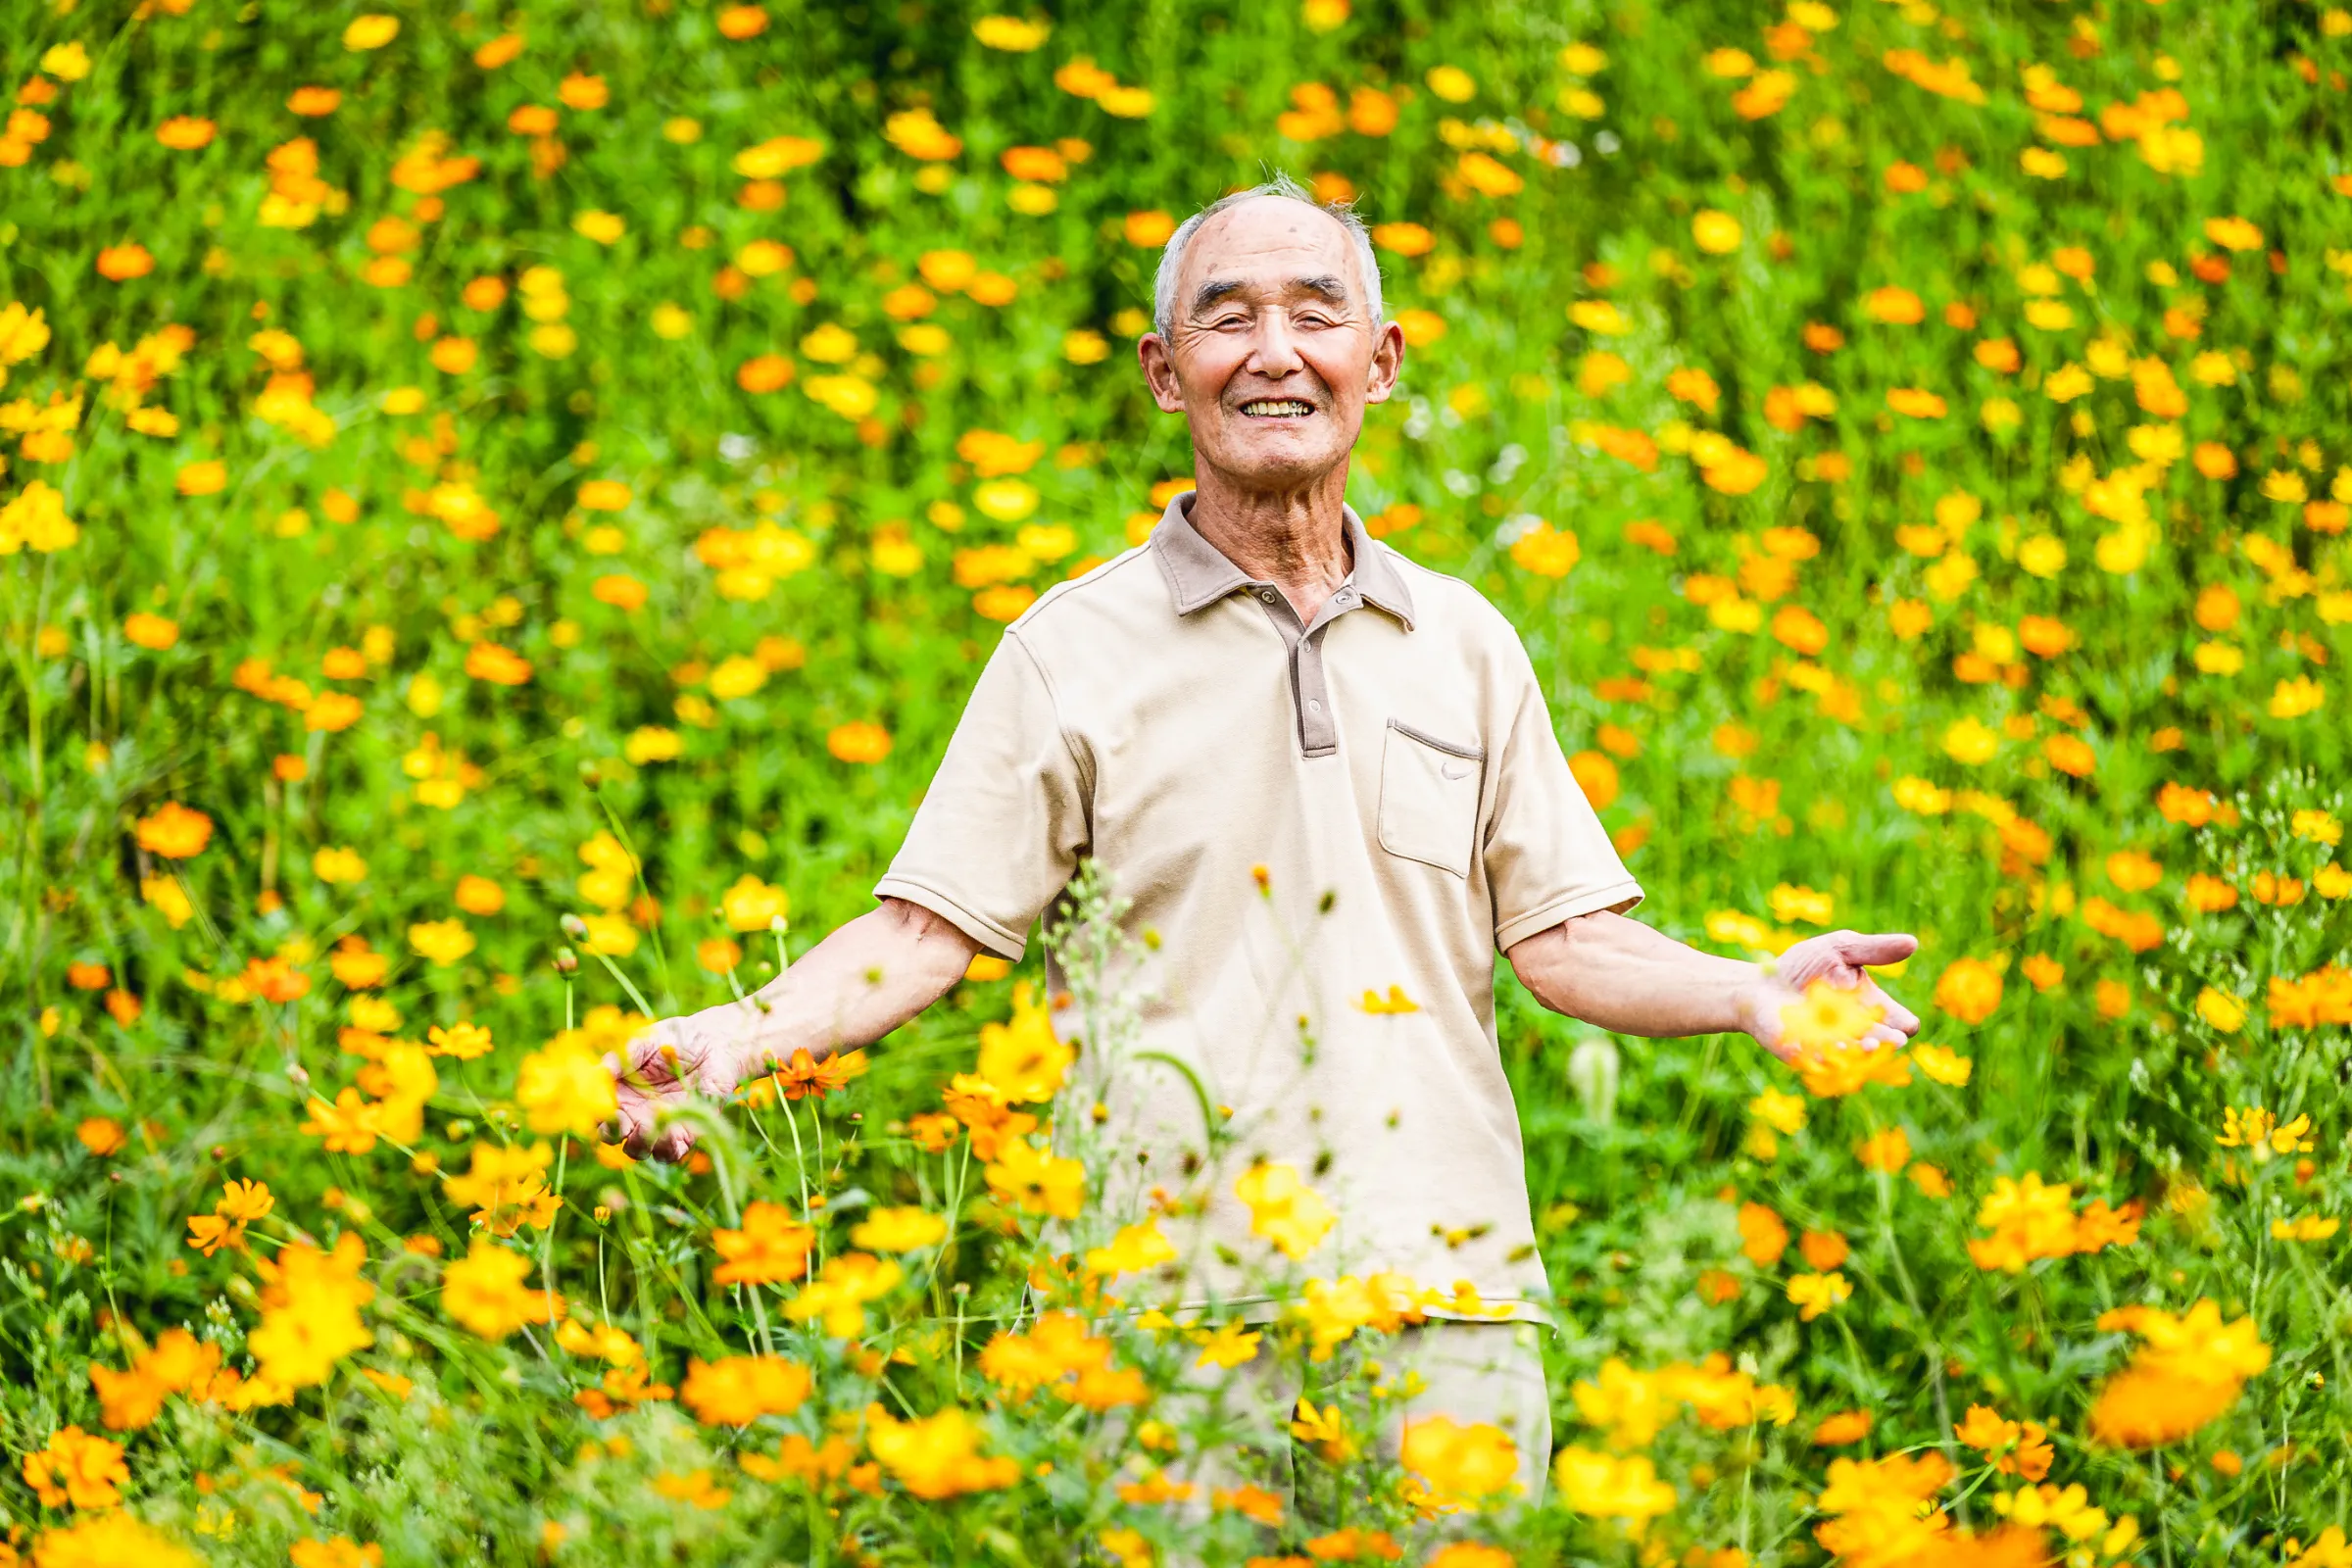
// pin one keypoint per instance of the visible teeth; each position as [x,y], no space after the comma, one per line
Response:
[1275,406]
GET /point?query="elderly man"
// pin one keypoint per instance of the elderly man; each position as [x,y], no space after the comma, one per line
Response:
[1325,781]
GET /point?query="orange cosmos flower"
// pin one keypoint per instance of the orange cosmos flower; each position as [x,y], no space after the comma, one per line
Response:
[1042,165]
[121,263]
[1837,1431]
[275,979]
[769,1248]
[858,742]
[1896,306]
[346,1127]
[1405,240]
[1149,228]
[1763,1238]
[938,1456]
[1969,989]
[205,478]
[805,1077]
[501,666]
[765,373]
[78,1468]
[2142,1410]
[738,1389]
[100,1135]
[2017,1448]
[174,831]
[185,132]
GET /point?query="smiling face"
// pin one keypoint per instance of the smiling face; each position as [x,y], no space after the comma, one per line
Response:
[1274,350]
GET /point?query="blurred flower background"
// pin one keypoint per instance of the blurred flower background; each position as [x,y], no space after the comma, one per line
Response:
[501,510]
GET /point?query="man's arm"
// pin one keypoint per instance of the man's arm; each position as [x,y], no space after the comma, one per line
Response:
[867,978]
[1620,975]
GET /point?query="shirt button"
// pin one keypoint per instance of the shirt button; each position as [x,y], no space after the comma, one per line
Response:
[1314,705]
[1268,597]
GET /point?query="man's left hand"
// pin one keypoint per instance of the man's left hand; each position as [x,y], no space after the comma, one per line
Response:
[1838,958]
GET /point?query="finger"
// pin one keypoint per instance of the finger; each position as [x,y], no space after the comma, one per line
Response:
[1892,1013]
[1886,946]
[640,1118]
[1880,1035]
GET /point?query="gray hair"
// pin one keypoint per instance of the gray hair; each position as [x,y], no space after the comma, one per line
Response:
[1171,257]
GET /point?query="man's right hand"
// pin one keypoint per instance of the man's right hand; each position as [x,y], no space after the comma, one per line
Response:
[700,1053]
[867,978]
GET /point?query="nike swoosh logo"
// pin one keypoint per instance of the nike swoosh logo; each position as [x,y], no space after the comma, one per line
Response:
[1449,769]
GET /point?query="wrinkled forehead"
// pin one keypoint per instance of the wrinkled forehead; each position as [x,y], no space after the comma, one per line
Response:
[1268,243]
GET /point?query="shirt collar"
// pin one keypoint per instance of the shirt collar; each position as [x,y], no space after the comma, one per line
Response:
[1199,573]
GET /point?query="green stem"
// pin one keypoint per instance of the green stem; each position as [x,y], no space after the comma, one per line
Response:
[635,996]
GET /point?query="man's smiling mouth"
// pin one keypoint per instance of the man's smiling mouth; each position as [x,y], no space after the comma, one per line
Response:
[1277,409]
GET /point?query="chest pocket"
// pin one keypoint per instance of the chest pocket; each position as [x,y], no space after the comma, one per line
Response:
[1429,790]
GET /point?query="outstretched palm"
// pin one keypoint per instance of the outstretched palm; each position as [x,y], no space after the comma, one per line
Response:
[1838,958]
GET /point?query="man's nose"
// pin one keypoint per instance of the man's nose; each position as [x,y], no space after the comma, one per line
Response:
[1275,354]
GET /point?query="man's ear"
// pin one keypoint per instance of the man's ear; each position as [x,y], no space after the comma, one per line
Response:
[1387,363]
[1159,372]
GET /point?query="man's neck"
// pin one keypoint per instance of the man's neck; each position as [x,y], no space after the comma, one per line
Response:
[1295,539]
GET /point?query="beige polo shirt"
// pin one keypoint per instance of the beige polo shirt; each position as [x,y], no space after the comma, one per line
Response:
[1394,771]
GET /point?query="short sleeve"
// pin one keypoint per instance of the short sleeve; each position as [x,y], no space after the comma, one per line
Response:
[1000,829]
[1547,858]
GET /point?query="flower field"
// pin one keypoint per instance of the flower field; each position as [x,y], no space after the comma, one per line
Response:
[501,512]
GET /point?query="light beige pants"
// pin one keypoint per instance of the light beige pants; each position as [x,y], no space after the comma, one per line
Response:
[1490,1373]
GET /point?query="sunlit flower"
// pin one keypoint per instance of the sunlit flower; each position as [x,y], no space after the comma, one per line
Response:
[174,831]
[1284,1210]
[937,1457]
[1034,1180]
[1815,1293]
[769,1248]
[486,1293]
[899,1230]
[737,1390]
